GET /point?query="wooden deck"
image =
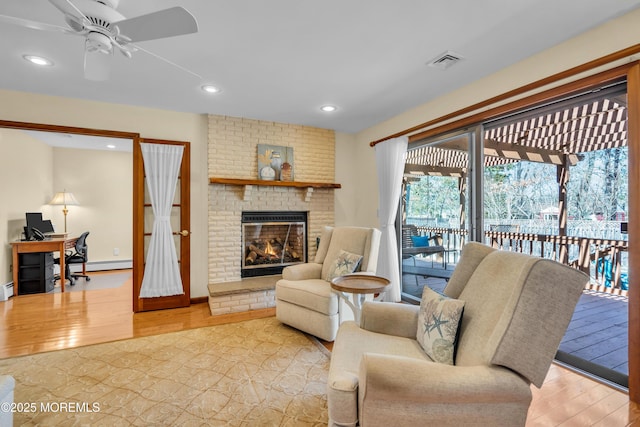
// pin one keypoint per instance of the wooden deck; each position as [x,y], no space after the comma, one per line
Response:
[597,333]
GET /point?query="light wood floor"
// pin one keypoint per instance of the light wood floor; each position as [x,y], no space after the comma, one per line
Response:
[46,322]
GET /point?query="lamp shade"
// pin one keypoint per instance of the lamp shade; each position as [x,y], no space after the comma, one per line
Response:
[64,198]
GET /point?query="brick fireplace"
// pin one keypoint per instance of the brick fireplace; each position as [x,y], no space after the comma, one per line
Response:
[232,153]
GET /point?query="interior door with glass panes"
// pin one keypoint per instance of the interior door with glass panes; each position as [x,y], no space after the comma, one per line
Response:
[143,226]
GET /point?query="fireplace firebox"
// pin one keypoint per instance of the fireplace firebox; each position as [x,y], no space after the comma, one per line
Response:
[271,241]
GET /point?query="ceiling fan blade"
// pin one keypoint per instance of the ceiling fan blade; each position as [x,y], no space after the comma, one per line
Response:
[34,25]
[97,65]
[69,9]
[175,21]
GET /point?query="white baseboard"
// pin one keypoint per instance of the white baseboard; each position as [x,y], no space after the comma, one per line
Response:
[101,266]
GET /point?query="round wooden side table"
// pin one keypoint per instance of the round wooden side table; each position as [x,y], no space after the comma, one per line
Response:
[359,285]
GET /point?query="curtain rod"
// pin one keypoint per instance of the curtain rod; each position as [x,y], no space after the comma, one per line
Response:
[621,54]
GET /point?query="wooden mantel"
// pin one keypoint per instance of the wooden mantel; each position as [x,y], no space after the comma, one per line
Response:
[249,183]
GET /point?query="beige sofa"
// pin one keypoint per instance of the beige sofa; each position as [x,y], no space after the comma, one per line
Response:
[304,298]
[517,308]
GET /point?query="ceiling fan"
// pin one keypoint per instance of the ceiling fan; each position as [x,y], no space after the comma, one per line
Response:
[106,30]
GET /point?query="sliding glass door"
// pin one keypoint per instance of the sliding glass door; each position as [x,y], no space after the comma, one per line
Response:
[551,181]
[556,185]
[436,211]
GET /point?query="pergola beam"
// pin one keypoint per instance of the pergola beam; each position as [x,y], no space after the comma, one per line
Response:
[411,169]
[494,148]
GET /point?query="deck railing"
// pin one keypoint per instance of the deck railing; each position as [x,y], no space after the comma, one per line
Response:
[604,260]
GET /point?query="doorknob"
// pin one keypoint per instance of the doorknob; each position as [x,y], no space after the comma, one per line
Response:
[184,233]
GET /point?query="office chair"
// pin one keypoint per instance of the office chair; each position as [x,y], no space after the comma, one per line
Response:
[79,256]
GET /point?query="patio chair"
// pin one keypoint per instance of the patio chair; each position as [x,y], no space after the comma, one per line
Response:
[410,237]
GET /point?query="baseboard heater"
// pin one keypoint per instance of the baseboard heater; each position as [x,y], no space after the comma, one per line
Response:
[6,291]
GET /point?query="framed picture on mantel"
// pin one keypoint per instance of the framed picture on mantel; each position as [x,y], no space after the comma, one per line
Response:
[275,163]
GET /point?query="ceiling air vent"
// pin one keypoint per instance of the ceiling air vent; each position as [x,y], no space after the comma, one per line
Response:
[445,60]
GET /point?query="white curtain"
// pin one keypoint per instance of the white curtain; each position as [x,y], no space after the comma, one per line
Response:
[161,272]
[390,159]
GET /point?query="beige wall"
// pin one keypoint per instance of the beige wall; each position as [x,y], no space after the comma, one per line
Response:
[25,173]
[149,123]
[102,182]
[358,201]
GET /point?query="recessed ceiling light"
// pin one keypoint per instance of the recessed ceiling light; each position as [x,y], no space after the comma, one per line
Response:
[111,146]
[328,108]
[38,60]
[211,89]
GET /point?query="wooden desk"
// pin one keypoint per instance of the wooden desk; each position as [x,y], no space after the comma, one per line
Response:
[58,244]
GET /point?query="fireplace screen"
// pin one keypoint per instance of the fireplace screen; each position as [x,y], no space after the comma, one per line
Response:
[271,241]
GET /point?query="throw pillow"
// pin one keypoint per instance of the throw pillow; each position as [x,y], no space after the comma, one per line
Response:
[420,241]
[345,263]
[438,325]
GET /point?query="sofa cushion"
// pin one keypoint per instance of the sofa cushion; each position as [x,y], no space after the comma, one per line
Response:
[357,240]
[314,294]
[345,263]
[344,371]
[515,312]
[472,255]
[350,346]
[438,325]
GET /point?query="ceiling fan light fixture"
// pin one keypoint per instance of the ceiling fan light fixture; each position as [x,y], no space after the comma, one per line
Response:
[211,89]
[328,108]
[38,60]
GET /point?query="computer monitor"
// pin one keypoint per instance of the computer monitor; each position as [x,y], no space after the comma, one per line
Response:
[34,220]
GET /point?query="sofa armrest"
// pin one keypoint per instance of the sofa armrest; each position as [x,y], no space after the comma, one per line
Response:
[386,380]
[306,271]
[390,318]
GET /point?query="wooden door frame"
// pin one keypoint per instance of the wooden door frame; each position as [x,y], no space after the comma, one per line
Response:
[633,129]
[147,304]
[43,127]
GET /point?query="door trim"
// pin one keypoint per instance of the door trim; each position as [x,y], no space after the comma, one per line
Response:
[147,304]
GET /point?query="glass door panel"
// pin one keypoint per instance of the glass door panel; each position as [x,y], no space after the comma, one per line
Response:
[556,185]
[435,211]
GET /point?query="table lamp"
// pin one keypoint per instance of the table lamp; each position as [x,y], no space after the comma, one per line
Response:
[64,199]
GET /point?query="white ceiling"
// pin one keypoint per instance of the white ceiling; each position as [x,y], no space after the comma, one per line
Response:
[280,60]
[85,142]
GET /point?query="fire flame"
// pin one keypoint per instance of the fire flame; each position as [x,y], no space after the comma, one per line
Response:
[269,249]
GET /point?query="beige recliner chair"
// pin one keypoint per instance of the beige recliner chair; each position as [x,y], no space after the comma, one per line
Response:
[516,310]
[304,298]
